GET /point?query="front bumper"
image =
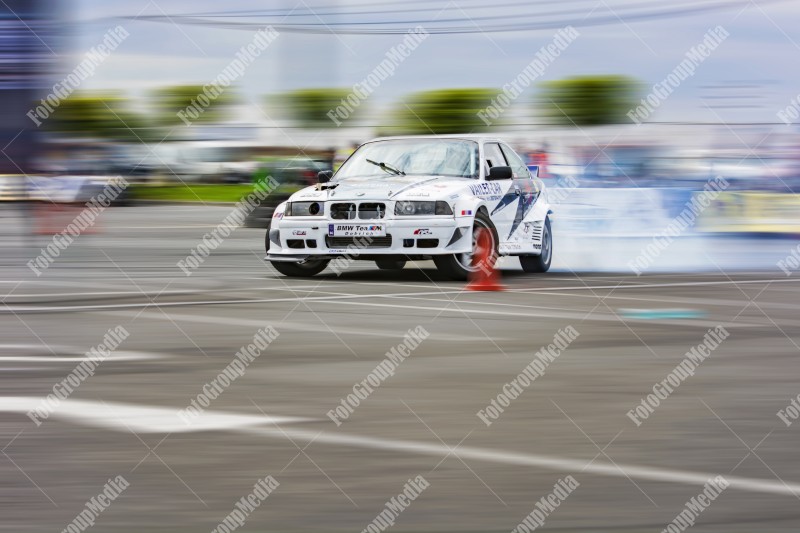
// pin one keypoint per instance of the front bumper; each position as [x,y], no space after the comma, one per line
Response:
[298,238]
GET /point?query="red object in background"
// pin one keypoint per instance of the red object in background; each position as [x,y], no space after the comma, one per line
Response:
[485,277]
[539,159]
[51,218]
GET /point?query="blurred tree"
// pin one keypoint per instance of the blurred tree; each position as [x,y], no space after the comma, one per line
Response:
[195,104]
[588,100]
[105,116]
[320,108]
[442,111]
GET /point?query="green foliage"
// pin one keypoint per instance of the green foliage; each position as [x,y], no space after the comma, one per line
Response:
[588,100]
[442,111]
[167,102]
[199,192]
[310,107]
[96,115]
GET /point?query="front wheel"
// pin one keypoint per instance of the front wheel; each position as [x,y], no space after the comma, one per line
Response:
[458,267]
[303,269]
[541,262]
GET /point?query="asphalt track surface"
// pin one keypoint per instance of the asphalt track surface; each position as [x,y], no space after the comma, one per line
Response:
[333,331]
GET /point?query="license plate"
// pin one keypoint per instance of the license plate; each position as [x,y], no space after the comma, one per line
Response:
[356,230]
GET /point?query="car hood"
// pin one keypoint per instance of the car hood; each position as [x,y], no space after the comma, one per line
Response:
[389,188]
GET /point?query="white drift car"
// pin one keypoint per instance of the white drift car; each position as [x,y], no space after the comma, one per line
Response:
[415,198]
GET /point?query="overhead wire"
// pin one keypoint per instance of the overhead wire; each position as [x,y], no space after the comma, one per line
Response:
[434,26]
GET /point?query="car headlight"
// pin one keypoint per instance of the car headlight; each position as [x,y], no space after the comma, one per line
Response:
[303,209]
[422,208]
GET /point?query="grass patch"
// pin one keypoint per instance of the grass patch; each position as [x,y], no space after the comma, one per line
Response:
[198,192]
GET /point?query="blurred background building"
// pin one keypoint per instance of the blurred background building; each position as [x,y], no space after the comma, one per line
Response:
[333,77]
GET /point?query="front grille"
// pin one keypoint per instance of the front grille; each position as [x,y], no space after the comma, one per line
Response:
[359,242]
[295,243]
[369,211]
[343,211]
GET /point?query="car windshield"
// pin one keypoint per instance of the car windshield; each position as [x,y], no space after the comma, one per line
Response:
[429,157]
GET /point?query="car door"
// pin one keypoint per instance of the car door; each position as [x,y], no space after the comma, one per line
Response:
[525,189]
[502,192]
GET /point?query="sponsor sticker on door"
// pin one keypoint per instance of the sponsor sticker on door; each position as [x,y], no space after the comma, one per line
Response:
[356,230]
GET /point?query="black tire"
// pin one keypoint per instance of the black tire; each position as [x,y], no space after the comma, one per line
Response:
[303,269]
[458,267]
[540,263]
[390,264]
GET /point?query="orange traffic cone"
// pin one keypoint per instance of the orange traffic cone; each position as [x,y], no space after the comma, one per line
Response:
[485,276]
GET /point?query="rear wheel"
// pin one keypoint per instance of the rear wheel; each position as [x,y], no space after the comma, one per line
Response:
[540,263]
[303,269]
[459,266]
[390,264]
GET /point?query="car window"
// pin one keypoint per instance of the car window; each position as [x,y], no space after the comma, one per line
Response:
[518,167]
[493,156]
[432,157]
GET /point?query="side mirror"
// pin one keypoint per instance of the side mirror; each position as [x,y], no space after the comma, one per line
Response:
[324,176]
[500,173]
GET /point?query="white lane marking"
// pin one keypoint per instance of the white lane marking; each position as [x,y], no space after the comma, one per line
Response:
[32,308]
[101,293]
[560,464]
[654,285]
[680,300]
[147,419]
[23,309]
[118,355]
[177,291]
[142,418]
[283,324]
[551,314]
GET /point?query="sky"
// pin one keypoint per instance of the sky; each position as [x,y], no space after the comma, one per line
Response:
[750,77]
